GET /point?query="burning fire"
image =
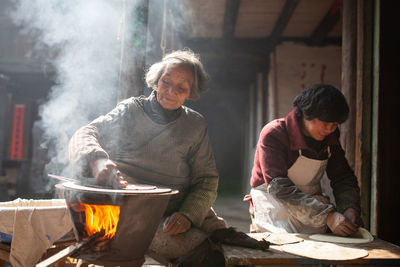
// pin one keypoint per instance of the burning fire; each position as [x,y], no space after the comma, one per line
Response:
[101,217]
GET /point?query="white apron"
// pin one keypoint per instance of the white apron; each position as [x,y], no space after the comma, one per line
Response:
[271,216]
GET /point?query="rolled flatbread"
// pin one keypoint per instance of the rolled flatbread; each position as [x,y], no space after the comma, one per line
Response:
[361,236]
[277,238]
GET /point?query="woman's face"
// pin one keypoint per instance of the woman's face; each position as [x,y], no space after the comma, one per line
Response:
[318,129]
[173,87]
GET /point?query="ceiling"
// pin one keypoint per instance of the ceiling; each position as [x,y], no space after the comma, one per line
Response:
[244,30]
[315,22]
[259,18]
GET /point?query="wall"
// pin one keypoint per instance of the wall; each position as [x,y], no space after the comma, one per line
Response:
[296,66]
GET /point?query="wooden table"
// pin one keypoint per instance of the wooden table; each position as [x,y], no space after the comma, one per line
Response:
[380,253]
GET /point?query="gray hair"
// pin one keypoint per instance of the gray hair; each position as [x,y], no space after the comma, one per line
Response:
[186,58]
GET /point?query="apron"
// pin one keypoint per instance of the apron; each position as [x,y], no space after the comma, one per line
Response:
[271,216]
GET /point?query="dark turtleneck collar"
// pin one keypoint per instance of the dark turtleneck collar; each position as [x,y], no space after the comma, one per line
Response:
[156,112]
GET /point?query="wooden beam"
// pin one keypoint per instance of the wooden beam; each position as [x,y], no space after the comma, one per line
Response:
[329,21]
[230,18]
[228,46]
[327,41]
[238,65]
[280,26]
[19,79]
[251,46]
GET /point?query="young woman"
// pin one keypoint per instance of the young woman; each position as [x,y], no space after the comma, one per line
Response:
[291,157]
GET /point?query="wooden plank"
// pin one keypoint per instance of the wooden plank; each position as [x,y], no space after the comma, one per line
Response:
[58,257]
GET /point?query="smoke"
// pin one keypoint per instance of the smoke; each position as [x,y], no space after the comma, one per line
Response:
[81,40]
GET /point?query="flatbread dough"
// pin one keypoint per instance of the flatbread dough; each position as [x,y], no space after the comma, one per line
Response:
[283,238]
[324,251]
[277,238]
[361,236]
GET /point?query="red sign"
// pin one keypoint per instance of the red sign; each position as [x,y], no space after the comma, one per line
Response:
[17,131]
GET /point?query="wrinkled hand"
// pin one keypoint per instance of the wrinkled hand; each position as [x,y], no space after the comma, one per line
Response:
[106,173]
[340,225]
[176,223]
[353,216]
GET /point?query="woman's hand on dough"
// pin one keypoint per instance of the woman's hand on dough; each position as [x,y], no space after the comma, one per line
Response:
[106,173]
[340,225]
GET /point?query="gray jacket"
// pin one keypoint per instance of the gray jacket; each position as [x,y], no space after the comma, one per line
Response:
[176,154]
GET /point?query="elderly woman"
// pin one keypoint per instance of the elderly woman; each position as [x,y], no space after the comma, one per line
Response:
[156,140]
[291,157]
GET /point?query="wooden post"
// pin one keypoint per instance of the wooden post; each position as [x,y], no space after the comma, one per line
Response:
[357,88]
[375,151]
[349,75]
[133,49]
[364,105]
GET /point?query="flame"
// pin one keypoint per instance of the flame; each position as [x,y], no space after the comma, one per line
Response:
[101,217]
